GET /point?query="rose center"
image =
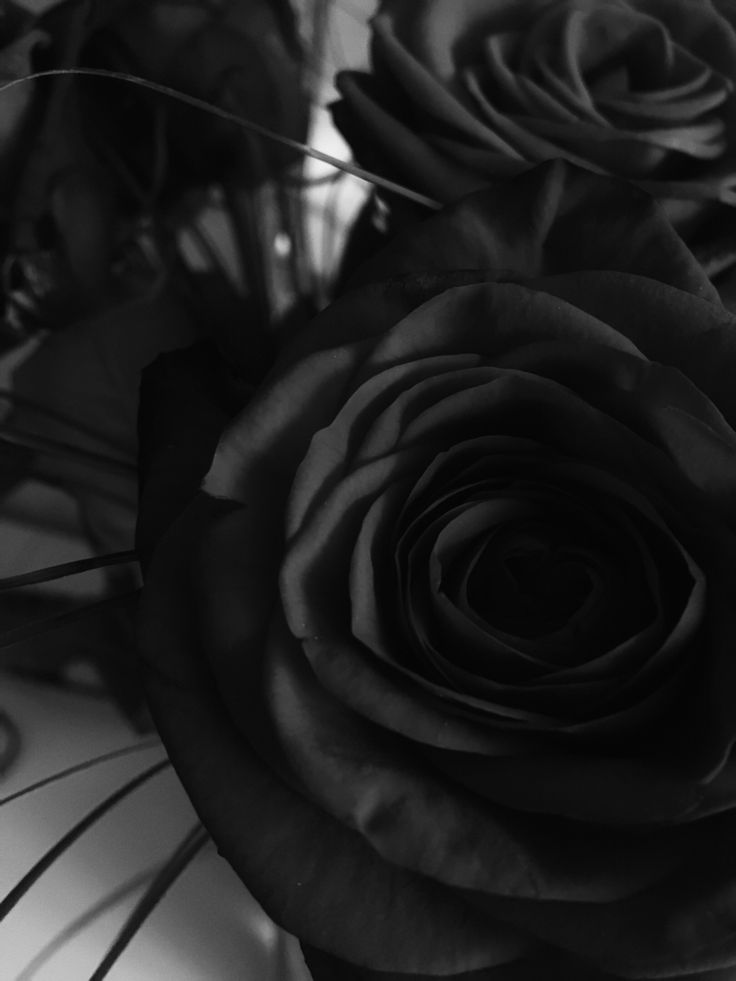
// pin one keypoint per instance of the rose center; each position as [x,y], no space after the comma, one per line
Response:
[532,587]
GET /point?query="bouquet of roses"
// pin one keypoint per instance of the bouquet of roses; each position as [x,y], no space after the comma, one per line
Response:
[437,620]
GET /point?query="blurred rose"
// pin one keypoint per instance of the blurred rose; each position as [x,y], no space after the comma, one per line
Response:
[243,57]
[467,91]
[443,650]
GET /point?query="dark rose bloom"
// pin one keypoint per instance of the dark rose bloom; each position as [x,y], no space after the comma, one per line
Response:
[443,650]
[467,91]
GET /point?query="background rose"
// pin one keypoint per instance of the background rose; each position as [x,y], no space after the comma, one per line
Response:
[463,91]
[443,650]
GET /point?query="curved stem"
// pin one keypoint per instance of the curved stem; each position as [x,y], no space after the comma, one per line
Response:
[152,742]
[30,878]
[73,929]
[175,865]
[51,573]
[247,124]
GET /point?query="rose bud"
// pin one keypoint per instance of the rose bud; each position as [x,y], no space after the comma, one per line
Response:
[443,648]
[462,93]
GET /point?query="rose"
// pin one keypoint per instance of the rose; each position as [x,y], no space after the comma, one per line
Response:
[443,648]
[465,91]
[370,738]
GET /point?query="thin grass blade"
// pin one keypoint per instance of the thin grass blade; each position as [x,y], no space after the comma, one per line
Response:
[85,919]
[177,863]
[152,742]
[243,123]
[30,878]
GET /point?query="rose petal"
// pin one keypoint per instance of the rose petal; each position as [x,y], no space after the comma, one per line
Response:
[551,52]
[703,140]
[379,786]
[698,340]
[512,90]
[364,429]
[680,927]
[646,106]
[304,393]
[436,32]
[547,225]
[446,109]
[530,146]
[548,961]
[602,789]
[698,28]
